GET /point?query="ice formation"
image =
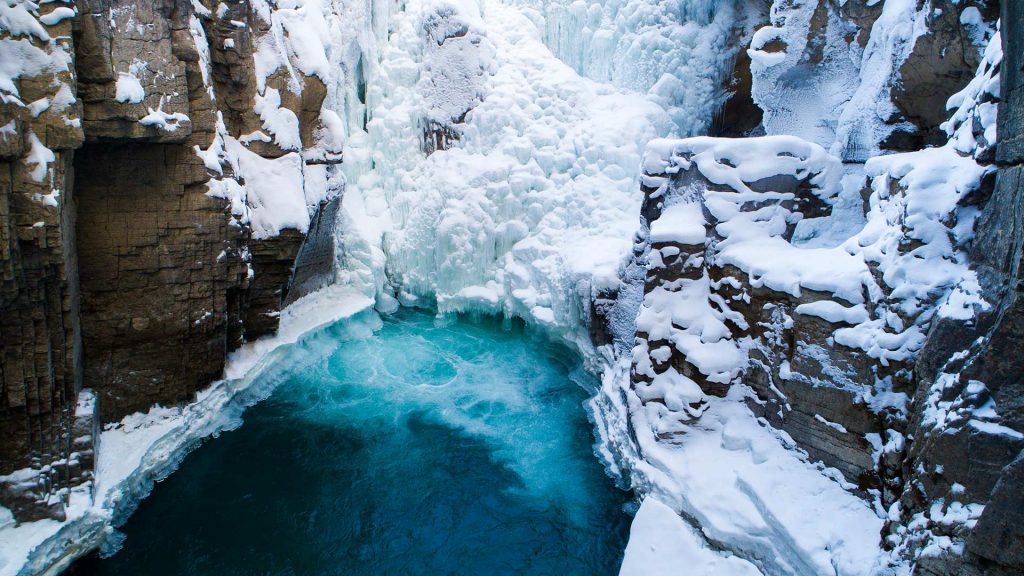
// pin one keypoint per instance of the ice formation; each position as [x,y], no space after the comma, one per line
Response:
[678,53]
[536,204]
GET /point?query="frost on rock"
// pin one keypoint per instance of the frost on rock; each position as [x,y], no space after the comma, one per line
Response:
[861,77]
[301,65]
[41,125]
[276,176]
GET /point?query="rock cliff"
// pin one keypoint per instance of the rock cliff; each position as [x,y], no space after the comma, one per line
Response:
[869,306]
[135,254]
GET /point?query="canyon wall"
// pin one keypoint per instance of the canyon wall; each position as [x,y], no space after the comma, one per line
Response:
[969,368]
[865,300]
[850,267]
[135,255]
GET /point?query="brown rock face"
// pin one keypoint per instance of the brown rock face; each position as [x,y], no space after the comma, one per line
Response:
[274,258]
[148,41]
[124,284]
[739,116]
[153,280]
[40,348]
[40,369]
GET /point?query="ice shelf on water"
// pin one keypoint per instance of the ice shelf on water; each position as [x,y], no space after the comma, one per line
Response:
[145,447]
[461,448]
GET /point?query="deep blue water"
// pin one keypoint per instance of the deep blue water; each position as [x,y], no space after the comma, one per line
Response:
[461,449]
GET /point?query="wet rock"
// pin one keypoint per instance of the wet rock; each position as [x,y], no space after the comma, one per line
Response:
[1011,107]
[1000,533]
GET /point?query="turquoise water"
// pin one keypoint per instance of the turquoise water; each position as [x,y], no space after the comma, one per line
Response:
[458,449]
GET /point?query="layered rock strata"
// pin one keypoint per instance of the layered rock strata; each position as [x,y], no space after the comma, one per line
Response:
[136,254]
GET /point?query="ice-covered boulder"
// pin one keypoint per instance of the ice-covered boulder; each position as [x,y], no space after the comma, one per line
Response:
[458,61]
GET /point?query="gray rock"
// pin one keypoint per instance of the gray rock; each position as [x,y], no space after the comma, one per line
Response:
[999,534]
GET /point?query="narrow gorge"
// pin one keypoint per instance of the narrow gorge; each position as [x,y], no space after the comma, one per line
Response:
[710,287]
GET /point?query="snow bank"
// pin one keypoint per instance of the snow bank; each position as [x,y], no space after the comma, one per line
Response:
[660,543]
[681,223]
[274,190]
[745,485]
[129,89]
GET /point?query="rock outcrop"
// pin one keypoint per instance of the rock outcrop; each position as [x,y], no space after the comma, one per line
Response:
[741,302]
[41,342]
[862,77]
[871,310]
[154,169]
